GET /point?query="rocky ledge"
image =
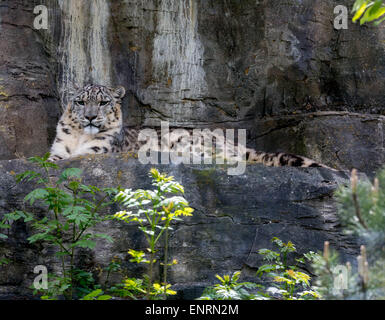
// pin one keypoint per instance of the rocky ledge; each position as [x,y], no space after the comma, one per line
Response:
[234,217]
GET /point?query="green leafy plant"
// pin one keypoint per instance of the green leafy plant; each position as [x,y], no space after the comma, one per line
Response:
[230,289]
[329,270]
[153,211]
[277,261]
[57,286]
[113,267]
[361,208]
[71,210]
[132,288]
[97,294]
[4,261]
[369,11]
[287,280]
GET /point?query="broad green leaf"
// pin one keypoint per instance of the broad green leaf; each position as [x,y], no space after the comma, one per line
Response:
[235,276]
[71,173]
[74,185]
[27,176]
[36,195]
[92,294]
[84,243]
[149,232]
[266,268]
[41,236]
[74,210]
[358,5]
[110,191]
[360,11]
[104,236]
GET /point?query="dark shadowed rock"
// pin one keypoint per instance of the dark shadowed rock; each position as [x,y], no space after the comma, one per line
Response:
[29,106]
[339,139]
[234,217]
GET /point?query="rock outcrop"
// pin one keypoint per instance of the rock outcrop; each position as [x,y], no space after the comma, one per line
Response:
[276,68]
[234,217]
[241,64]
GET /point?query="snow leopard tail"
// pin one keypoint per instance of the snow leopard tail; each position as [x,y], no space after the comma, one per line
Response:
[281,159]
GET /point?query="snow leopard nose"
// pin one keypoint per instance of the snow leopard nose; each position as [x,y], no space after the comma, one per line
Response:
[90,117]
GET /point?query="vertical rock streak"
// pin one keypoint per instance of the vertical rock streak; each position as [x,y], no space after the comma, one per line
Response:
[178,51]
[98,45]
[83,46]
[177,56]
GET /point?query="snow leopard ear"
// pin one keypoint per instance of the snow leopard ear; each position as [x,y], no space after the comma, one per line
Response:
[119,92]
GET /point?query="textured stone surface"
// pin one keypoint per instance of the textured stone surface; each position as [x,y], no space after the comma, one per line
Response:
[234,217]
[28,100]
[258,58]
[199,63]
[277,68]
[340,139]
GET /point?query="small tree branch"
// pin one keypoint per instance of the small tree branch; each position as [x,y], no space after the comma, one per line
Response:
[358,210]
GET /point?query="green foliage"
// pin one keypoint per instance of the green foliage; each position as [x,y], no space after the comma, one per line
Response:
[57,286]
[72,209]
[361,210]
[286,280]
[327,268]
[361,207]
[131,288]
[369,11]
[113,267]
[230,289]
[153,211]
[4,261]
[97,294]
[134,288]
[279,258]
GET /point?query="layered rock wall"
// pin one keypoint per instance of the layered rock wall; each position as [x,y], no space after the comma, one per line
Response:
[243,64]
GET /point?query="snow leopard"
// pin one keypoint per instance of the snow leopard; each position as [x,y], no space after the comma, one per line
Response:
[92,123]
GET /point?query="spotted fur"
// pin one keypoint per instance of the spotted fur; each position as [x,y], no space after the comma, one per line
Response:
[92,124]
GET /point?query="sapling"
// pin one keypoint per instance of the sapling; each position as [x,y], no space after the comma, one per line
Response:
[71,210]
[154,211]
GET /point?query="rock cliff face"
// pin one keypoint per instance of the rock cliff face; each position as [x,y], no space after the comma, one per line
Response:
[276,68]
[200,63]
[234,217]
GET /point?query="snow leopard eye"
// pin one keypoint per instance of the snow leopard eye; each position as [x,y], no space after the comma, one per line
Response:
[104,103]
[80,102]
